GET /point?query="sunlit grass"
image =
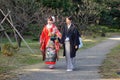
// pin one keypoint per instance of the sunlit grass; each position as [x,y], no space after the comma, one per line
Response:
[89,41]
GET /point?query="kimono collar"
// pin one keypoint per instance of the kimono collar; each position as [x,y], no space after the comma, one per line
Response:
[68,26]
[49,26]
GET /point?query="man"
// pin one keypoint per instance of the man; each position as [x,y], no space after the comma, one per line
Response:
[70,41]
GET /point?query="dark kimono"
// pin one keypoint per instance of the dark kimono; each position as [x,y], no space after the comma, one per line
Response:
[73,35]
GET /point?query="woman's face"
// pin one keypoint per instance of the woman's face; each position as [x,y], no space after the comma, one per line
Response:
[49,21]
[68,21]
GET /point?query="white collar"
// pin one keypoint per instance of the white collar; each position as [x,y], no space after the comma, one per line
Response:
[49,26]
[68,26]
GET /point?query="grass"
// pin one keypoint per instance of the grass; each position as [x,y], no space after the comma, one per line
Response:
[90,41]
[111,65]
[24,57]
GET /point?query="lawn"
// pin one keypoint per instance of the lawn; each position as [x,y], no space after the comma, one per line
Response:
[111,65]
[24,57]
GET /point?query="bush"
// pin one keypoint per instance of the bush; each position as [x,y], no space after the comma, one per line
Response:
[9,50]
[34,31]
[100,30]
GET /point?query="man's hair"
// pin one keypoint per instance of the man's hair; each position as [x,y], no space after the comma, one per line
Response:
[69,17]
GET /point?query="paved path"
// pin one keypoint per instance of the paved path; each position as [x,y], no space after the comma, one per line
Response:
[88,62]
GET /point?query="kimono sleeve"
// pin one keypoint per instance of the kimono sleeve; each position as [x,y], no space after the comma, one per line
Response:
[42,36]
[58,33]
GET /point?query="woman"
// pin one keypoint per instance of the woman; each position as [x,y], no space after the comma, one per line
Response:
[70,41]
[49,42]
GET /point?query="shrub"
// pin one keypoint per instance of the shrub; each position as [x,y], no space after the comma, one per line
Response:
[100,30]
[9,50]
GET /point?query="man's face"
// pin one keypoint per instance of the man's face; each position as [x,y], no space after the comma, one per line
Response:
[68,21]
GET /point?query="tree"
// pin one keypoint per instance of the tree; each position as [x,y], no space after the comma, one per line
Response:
[86,12]
[111,15]
[22,12]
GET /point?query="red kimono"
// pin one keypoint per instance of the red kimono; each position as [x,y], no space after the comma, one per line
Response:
[45,39]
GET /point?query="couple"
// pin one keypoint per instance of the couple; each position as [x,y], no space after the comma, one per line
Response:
[51,38]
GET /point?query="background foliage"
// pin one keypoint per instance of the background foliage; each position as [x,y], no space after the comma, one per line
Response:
[29,16]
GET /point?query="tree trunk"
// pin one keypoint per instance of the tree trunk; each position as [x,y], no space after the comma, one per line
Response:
[19,40]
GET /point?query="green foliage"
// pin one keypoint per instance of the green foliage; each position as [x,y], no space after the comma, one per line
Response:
[114,30]
[9,50]
[98,30]
[85,13]
[56,3]
[110,15]
[34,31]
[30,13]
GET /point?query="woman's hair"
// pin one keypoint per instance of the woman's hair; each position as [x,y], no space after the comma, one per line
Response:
[69,17]
[50,18]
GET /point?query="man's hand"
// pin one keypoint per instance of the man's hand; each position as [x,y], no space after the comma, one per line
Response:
[61,45]
[76,47]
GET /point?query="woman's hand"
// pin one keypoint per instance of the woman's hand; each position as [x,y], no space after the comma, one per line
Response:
[61,45]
